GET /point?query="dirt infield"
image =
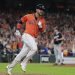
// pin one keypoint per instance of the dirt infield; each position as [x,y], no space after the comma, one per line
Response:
[69,65]
[21,74]
[64,65]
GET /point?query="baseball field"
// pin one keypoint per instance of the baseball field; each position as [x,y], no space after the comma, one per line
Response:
[40,69]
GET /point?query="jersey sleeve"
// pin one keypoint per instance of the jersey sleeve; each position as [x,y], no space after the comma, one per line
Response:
[18,26]
[24,19]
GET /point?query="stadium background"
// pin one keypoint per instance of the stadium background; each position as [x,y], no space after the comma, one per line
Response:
[58,13]
[27,5]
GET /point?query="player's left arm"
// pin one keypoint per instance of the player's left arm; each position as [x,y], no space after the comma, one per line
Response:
[42,26]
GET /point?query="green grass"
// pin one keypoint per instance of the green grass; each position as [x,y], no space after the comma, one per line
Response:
[47,69]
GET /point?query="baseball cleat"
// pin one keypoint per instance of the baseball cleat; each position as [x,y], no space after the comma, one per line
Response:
[9,70]
[23,68]
[62,64]
[55,64]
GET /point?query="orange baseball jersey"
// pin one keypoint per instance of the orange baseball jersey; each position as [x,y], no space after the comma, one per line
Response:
[32,24]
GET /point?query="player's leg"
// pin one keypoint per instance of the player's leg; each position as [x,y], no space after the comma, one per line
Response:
[56,54]
[18,58]
[33,48]
[60,54]
[28,57]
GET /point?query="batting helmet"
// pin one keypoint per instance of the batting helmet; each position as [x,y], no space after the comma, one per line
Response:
[40,6]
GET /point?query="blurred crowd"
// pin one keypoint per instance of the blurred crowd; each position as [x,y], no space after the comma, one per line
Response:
[9,44]
[66,25]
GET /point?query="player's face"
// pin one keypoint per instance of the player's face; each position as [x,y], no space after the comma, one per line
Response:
[40,12]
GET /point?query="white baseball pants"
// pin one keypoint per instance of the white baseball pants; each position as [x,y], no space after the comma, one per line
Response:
[58,54]
[28,50]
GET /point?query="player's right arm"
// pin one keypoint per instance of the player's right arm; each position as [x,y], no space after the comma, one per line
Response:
[20,26]
[24,19]
[21,23]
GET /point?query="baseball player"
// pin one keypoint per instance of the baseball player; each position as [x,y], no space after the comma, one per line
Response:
[58,40]
[34,24]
